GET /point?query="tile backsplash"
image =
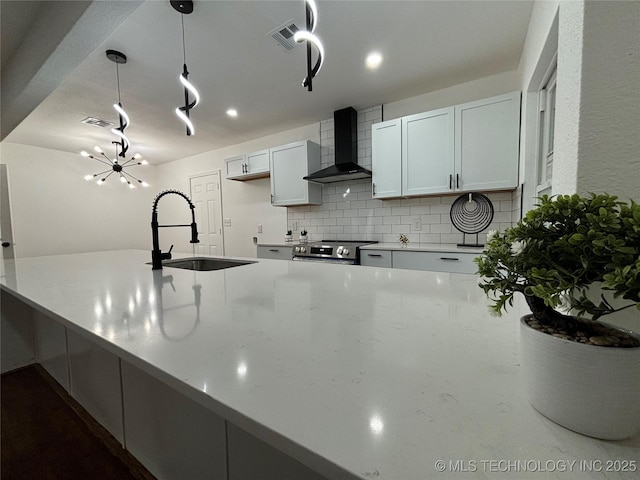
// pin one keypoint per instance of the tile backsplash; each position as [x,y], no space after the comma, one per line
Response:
[349,213]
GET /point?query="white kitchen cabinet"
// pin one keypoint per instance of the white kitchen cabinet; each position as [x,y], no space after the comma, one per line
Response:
[172,435]
[450,262]
[386,159]
[376,258]
[427,152]
[487,135]
[95,382]
[289,164]
[275,252]
[468,147]
[251,458]
[248,167]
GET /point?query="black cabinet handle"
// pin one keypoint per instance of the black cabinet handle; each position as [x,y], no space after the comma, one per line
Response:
[457,180]
[374,255]
[449,258]
[450,182]
[274,250]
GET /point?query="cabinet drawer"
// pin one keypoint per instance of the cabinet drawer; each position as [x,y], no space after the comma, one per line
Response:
[436,261]
[274,252]
[375,258]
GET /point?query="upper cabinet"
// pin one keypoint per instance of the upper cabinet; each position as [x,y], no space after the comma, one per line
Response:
[427,152]
[289,163]
[248,167]
[468,147]
[386,159]
[487,143]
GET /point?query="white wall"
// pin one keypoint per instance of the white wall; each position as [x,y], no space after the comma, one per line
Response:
[485,87]
[247,204]
[598,112]
[540,46]
[55,211]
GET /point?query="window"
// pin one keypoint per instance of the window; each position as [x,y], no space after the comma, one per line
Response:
[547,103]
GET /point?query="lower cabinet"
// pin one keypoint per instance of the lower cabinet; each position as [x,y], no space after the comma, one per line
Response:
[274,252]
[170,434]
[376,258]
[95,382]
[456,262]
[436,261]
[253,459]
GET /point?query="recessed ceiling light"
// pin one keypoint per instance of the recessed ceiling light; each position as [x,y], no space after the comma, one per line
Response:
[374,59]
[232,112]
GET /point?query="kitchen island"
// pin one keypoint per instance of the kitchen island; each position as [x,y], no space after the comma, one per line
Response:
[354,372]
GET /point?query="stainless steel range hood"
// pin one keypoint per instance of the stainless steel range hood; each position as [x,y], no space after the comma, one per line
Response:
[346,151]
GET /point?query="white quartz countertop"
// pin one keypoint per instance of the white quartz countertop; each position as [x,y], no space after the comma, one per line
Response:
[276,244]
[423,247]
[356,372]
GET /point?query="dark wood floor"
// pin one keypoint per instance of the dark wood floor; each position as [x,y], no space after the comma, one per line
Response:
[45,434]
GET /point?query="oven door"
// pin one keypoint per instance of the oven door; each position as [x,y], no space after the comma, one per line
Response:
[342,261]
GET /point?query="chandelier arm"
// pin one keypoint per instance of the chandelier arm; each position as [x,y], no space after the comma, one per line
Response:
[105,156]
[100,173]
[132,176]
[101,161]
[112,172]
[128,162]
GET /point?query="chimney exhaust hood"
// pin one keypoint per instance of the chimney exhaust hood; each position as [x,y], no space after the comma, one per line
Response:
[346,151]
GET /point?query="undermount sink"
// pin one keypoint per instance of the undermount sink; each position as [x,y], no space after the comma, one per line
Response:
[204,264]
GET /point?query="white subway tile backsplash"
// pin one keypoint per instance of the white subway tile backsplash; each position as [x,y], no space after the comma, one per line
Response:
[349,212]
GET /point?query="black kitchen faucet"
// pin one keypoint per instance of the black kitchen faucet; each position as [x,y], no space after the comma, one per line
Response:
[156,254]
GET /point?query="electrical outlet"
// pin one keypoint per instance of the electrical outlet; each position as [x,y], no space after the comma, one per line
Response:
[259,229]
[417,224]
[226,222]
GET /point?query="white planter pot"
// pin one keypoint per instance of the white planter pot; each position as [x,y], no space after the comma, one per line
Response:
[588,389]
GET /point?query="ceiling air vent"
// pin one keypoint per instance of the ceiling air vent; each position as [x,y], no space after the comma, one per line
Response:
[96,122]
[284,34]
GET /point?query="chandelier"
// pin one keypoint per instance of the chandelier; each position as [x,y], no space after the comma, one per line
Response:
[121,145]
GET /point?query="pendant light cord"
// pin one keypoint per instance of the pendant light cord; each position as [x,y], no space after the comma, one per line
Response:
[118,79]
[184,49]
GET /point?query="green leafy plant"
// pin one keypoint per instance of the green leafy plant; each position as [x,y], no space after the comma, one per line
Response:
[303,232]
[289,232]
[558,251]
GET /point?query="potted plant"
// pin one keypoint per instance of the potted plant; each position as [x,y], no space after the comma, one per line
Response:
[303,235]
[581,373]
[289,236]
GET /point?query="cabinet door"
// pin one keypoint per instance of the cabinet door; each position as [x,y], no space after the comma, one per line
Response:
[386,159]
[235,166]
[427,152]
[258,162]
[375,258]
[487,143]
[435,261]
[289,164]
[273,252]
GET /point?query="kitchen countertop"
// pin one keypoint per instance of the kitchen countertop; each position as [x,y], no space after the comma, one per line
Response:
[356,372]
[423,247]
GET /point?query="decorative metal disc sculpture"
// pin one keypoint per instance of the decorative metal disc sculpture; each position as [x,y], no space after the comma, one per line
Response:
[471,213]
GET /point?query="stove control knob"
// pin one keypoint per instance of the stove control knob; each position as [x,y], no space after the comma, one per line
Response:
[297,249]
[340,250]
[345,251]
[303,249]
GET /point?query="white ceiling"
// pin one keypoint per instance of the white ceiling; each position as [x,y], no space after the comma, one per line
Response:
[426,45]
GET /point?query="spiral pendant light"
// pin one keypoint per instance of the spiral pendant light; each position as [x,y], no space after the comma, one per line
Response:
[121,145]
[310,37]
[185,7]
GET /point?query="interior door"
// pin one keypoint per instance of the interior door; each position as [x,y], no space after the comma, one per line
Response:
[6,231]
[207,197]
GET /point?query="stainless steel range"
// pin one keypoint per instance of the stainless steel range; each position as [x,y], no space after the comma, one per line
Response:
[329,251]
